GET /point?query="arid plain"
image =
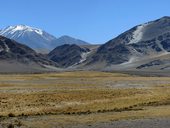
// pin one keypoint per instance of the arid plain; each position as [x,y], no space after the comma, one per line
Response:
[81,99]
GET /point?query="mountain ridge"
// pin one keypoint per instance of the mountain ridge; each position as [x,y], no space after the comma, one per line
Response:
[14,54]
[36,38]
[141,41]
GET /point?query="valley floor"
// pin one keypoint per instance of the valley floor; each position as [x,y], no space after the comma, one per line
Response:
[85,99]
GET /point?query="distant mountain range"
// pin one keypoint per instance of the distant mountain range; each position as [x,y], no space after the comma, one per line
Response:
[145,47]
[37,38]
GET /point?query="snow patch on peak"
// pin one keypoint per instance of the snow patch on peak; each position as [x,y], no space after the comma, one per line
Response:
[38,31]
[28,28]
[138,34]
[21,28]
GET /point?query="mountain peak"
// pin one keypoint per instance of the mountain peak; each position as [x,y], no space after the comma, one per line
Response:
[65,39]
[32,37]
[21,28]
[26,28]
[165,17]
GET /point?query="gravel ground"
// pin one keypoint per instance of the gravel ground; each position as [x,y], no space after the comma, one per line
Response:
[141,123]
[137,123]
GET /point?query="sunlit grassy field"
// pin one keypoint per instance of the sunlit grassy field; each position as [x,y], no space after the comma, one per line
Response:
[68,98]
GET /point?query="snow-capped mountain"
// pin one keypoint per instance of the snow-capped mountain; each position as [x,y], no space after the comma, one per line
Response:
[32,37]
[37,38]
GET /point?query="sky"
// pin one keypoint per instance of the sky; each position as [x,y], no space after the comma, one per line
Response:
[94,21]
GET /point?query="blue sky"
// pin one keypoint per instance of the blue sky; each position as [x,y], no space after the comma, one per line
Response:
[95,21]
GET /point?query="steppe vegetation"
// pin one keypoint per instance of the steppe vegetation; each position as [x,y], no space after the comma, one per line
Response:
[69,98]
